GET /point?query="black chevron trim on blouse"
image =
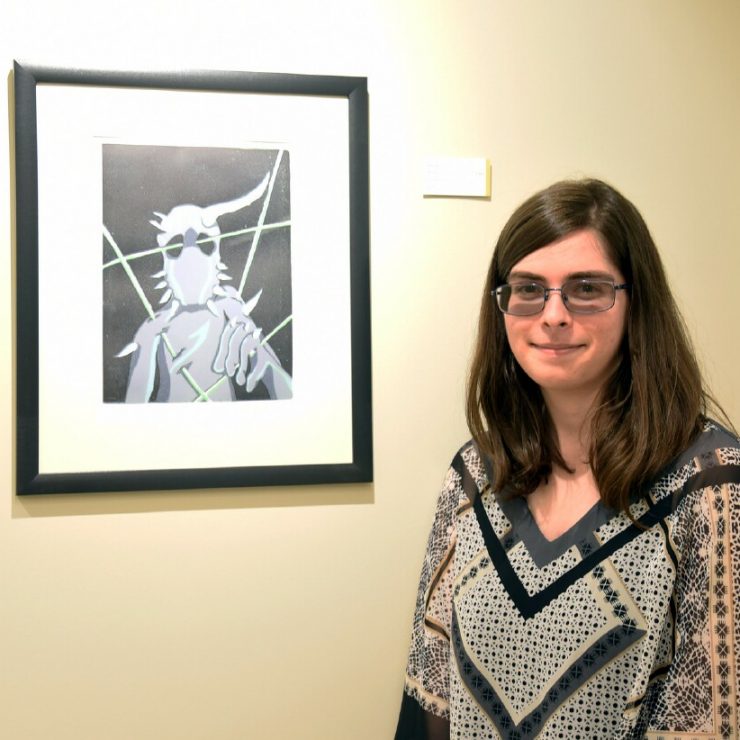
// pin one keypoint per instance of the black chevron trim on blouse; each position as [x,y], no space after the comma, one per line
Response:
[529,606]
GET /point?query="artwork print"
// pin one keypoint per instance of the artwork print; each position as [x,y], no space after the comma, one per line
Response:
[197,299]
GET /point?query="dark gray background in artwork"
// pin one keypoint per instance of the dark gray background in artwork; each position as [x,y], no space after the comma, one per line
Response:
[140,179]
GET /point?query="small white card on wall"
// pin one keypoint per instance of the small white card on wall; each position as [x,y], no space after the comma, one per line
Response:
[457,176]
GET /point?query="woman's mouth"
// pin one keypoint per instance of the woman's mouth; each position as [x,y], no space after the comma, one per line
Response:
[556,349]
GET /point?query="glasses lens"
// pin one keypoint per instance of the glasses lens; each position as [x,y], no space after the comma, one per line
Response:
[521,299]
[588,296]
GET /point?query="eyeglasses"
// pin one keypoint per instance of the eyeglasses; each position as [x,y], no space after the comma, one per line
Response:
[579,296]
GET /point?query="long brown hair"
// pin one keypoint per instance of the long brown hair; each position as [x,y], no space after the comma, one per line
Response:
[653,404]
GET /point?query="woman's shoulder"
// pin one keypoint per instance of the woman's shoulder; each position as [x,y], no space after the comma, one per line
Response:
[465,452]
[717,436]
[471,470]
[712,459]
[709,444]
[468,457]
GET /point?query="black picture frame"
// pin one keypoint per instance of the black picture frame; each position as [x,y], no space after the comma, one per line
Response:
[30,477]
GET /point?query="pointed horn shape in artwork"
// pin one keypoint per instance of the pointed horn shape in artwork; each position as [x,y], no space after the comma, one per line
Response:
[129,349]
[159,274]
[174,306]
[212,213]
[251,304]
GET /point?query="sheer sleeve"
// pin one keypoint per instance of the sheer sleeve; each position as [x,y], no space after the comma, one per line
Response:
[425,707]
[697,695]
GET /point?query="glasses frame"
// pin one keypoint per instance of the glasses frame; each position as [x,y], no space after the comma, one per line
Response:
[496,292]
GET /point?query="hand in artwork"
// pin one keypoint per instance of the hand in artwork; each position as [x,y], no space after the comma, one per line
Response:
[246,357]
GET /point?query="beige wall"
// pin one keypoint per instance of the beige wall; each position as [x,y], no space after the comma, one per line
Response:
[284,613]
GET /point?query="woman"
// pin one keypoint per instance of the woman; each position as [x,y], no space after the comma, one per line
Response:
[581,573]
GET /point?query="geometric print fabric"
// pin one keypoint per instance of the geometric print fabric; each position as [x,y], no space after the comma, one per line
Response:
[625,631]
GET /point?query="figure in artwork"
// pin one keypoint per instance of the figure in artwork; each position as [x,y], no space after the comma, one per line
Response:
[204,341]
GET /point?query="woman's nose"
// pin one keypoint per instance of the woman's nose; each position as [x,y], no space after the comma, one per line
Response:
[555,312]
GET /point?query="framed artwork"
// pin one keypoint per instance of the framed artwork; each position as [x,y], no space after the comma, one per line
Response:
[192,280]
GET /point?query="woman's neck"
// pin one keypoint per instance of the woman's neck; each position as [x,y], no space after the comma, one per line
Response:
[570,416]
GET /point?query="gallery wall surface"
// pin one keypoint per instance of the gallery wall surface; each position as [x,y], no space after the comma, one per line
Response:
[278,613]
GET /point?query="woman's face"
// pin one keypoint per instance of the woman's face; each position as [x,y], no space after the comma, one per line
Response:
[568,354]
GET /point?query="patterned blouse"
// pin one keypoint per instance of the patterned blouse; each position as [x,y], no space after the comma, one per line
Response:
[613,630]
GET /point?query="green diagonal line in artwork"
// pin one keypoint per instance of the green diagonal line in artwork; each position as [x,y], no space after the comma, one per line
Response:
[260,223]
[176,245]
[280,326]
[192,382]
[129,272]
[143,253]
[202,395]
[205,396]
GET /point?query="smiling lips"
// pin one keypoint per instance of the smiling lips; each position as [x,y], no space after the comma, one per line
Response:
[556,349]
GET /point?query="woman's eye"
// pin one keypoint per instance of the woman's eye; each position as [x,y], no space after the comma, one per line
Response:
[587,290]
[528,290]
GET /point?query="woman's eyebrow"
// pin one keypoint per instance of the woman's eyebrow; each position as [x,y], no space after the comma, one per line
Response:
[580,275]
[520,275]
[594,274]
